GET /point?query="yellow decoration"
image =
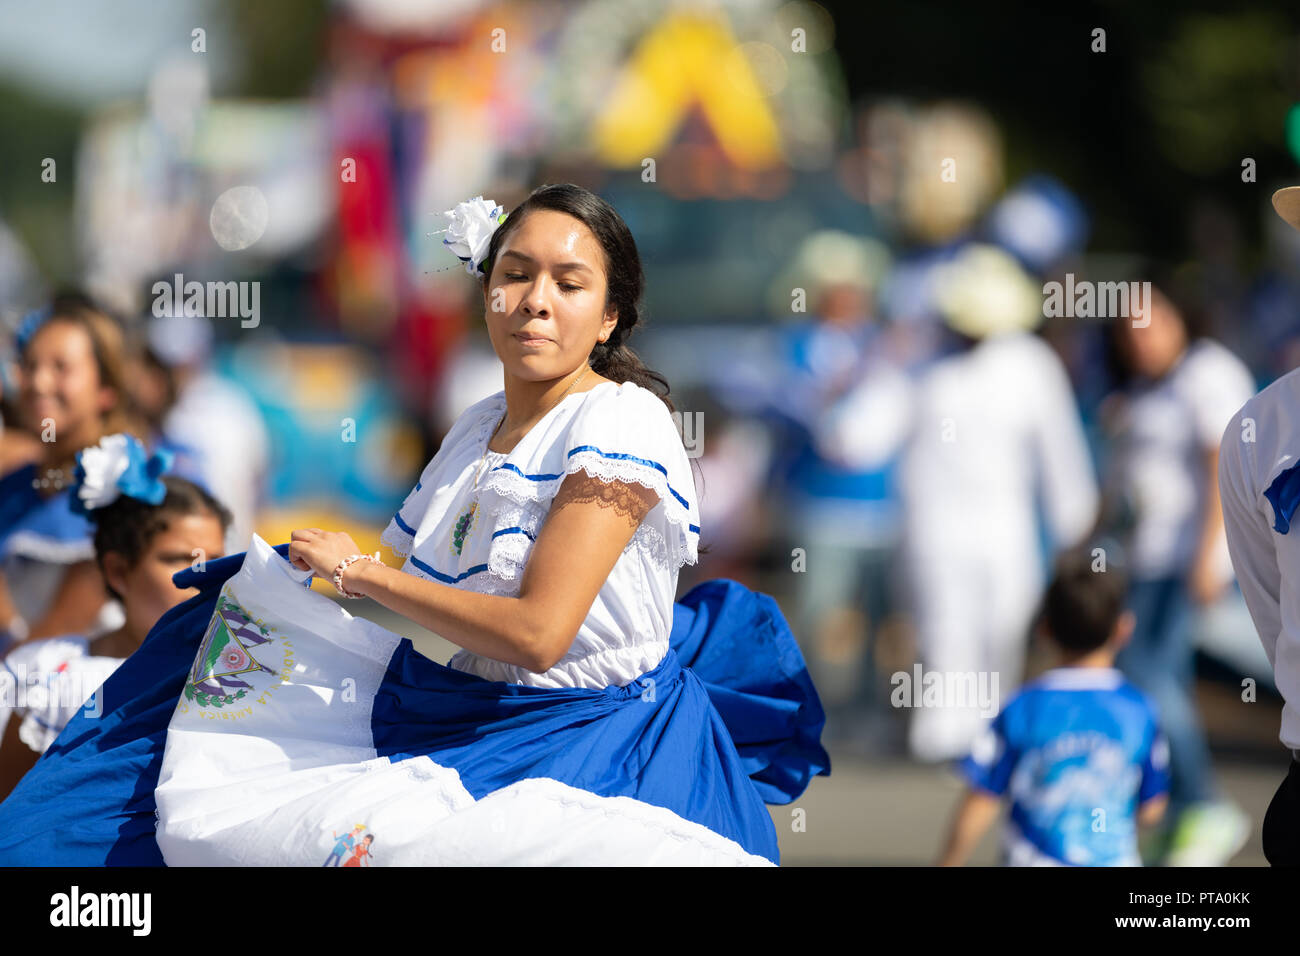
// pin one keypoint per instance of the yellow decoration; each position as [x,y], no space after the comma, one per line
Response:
[684,60]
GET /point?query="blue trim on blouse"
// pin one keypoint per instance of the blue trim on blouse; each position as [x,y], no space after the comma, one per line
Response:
[606,454]
[1284,495]
[445,578]
[516,470]
[46,725]
[539,477]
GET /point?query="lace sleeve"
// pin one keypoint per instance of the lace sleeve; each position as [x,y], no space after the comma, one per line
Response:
[628,435]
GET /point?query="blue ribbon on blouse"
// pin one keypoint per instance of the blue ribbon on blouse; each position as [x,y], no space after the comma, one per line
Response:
[1284,495]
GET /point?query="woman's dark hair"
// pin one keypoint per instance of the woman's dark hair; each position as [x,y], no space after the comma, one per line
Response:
[1181,286]
[625,279]
[129,525]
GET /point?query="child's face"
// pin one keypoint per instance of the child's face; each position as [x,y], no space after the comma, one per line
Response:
[548,281]
[147,589]
[59,380]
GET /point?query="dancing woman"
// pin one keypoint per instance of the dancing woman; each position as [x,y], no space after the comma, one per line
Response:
[588,718]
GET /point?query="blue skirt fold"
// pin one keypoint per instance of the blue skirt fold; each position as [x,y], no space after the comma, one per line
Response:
[657,739]
[727,721]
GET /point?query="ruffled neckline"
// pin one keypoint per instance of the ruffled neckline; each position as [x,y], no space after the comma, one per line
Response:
[519,500]
[498,405]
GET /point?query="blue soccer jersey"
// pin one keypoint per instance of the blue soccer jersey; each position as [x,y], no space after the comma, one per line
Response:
[1076,751]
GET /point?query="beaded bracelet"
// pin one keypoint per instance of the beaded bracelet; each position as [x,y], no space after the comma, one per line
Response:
[350,559]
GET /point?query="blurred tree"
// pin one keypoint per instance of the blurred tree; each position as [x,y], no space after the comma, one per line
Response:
[1168,111]
[1215,91]
[32,129]
[283,44]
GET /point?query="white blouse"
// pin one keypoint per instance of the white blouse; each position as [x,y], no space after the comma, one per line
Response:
[1159,453]
[613,432]
[45,682]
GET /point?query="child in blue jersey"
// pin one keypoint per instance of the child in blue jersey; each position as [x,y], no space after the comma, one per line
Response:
[1077,751]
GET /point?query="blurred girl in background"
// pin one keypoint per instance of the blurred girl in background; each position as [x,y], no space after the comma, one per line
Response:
[71,393]
[147,526]
[1177,391]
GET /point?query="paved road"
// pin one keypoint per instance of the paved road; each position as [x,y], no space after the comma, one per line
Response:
[887,811]
[893,812]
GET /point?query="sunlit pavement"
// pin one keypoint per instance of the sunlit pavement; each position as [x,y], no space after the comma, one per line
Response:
[895,813]
[884,810]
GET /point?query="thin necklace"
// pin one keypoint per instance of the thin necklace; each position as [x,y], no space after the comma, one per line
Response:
[460,530]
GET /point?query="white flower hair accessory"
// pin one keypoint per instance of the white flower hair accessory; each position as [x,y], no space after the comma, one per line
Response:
[118,466]
[470,232]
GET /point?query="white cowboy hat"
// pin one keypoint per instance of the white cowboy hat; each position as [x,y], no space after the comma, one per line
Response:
[984,291]
[827,258]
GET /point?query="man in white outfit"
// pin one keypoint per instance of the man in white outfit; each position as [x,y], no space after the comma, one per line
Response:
[996,429]
[1259,487]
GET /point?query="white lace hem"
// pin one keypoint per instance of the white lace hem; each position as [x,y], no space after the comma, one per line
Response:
[37,547]
[613,665]
[683,549]
[397,539]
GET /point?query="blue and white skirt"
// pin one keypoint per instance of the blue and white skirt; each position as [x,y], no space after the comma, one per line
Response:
[261,724]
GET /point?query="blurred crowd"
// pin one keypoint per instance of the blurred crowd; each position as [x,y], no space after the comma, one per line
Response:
[80,375]
[942,432]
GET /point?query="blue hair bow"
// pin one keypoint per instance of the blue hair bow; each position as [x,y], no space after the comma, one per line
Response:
[140,479]
[30,324]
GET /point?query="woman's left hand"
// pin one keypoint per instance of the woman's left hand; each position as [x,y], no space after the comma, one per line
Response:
[320,551]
